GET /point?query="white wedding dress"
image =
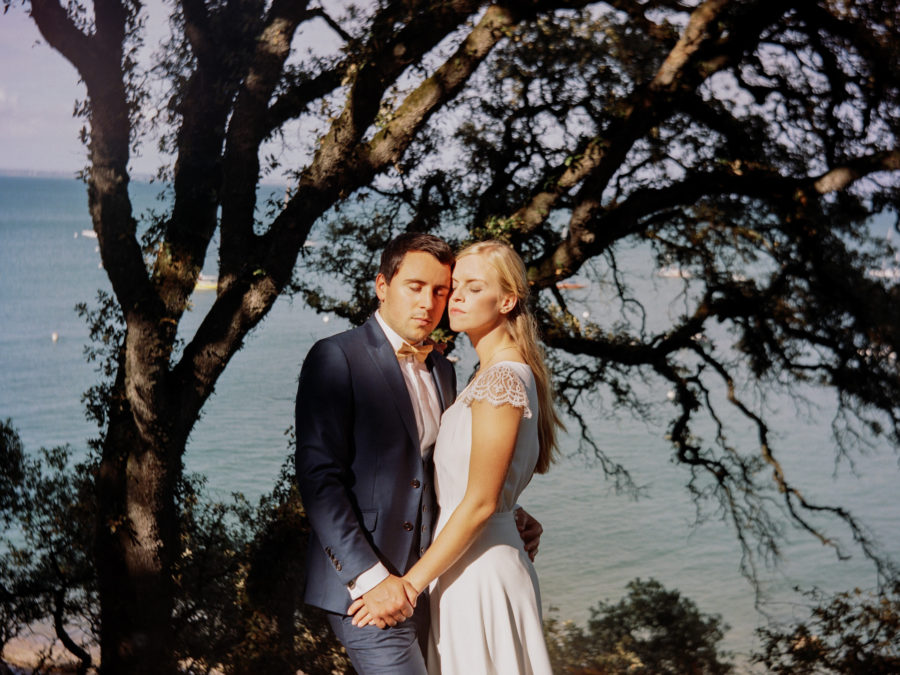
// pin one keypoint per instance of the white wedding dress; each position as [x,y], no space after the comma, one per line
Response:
[486,609]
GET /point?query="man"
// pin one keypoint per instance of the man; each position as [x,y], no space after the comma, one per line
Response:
[368,406]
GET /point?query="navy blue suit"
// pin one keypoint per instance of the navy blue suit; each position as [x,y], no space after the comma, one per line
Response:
[365,484]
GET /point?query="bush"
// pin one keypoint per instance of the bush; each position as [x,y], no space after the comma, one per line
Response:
[853,632]
[652,631]
[239,577]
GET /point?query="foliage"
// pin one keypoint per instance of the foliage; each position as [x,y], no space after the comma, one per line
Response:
[651,631]
[852,633]
[46,572]
[239,578]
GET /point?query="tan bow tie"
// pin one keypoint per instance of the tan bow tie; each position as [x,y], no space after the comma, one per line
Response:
[421,352]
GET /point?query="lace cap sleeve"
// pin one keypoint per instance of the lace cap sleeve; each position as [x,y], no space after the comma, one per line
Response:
[498,385]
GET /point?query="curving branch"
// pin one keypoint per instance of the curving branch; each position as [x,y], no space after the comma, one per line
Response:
[99,60]
[247,128]
[698,54]
[62,34]
[388,144]
[334,25]
[296,99]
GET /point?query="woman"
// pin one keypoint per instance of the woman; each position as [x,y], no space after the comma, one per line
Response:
[485,602]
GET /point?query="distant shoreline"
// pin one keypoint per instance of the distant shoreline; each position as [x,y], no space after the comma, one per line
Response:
[55,173]
[38,173]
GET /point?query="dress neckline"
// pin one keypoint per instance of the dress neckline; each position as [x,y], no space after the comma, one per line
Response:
[491,367]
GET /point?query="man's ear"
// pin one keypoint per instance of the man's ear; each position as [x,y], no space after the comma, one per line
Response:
[380,287]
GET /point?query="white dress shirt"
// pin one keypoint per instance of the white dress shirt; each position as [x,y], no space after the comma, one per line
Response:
[427,409]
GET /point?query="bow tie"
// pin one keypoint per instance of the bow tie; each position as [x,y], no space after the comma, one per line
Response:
[421,352]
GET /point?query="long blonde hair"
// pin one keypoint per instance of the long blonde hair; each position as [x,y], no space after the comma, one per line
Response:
[522,328]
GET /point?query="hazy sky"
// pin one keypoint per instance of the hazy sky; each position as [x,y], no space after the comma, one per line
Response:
[39,87]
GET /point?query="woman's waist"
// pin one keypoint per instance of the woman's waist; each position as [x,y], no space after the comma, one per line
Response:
[500,526]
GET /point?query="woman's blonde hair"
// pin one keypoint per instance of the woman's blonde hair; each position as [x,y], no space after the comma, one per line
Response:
[522,327]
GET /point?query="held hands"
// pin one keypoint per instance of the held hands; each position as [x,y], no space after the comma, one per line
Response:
[389,603]
[530,530]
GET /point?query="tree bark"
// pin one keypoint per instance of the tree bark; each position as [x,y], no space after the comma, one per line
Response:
[135,541]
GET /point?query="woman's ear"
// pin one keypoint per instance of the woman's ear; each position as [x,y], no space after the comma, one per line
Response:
[508,303]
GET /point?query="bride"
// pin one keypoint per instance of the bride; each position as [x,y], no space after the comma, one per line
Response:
[484,596]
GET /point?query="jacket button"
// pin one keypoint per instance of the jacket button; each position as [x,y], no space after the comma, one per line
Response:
[408,526]
[415,483]
[337,566]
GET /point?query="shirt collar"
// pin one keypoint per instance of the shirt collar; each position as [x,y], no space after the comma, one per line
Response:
[392,336]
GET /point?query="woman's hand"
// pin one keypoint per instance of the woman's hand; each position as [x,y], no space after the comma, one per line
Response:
[363,615]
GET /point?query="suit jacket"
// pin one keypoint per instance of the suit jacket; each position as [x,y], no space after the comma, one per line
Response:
[365,485]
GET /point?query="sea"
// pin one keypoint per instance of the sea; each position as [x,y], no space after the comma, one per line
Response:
[596,538]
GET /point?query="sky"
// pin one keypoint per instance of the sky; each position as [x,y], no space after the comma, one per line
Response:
[39,88]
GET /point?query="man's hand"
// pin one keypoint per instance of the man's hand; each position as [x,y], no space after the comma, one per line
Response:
[385,605]
[530,530]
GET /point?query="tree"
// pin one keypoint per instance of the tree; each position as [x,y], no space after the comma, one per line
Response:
[746,142]
[849,632]
[650,631]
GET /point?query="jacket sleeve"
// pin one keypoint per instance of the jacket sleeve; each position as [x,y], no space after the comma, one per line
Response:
[324,456]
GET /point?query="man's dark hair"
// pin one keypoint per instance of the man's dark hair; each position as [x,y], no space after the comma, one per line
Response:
[402,244]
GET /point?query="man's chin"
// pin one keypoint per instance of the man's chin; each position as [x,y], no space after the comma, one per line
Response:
[417,335]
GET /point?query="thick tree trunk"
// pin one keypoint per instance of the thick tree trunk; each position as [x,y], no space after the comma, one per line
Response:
[135,540]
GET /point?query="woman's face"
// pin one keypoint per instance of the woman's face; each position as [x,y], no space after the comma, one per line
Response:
[477,303]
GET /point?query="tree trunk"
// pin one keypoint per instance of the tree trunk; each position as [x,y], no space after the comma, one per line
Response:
[136,538]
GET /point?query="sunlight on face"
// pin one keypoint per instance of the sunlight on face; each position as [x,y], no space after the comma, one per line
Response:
[477,303]
[414,300]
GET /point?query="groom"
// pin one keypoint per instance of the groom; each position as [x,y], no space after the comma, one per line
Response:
[368,407]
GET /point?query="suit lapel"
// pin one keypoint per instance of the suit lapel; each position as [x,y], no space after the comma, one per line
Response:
[386,362]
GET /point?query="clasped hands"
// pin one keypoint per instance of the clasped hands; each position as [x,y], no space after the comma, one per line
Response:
[394,599]
[389,603]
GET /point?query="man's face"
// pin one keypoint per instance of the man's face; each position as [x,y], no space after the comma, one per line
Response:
[414,300]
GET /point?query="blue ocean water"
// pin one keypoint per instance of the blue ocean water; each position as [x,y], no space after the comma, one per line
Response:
[595,540]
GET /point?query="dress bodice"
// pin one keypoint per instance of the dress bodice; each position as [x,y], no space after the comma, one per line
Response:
[504,383]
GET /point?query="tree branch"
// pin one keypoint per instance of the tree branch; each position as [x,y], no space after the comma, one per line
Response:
[698,54]
[61,33]
[246,130]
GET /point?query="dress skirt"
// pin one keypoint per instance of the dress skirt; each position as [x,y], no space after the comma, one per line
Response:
[489,602]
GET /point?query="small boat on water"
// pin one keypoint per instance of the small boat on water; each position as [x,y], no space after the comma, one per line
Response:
[90,234]
[206,282]
[671,272]
[884,273]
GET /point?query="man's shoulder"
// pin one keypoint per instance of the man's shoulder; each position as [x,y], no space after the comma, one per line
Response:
[348,341]
[348,336]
